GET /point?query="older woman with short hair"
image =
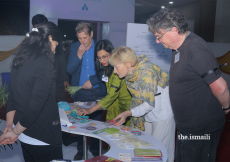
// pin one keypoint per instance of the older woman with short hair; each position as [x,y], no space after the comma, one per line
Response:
[143,79]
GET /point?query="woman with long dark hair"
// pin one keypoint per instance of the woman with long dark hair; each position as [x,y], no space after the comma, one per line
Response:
[118,97]
[32,112]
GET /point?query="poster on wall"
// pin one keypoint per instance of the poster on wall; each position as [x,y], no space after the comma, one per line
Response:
[118,34]
[144,43]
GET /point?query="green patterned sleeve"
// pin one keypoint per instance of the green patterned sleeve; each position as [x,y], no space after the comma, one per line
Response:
[112,91]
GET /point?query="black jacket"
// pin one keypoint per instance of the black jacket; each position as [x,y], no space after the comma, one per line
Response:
[32,95]
[60,67]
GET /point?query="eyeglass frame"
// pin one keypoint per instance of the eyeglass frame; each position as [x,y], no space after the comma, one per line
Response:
[159,39]
[103,57]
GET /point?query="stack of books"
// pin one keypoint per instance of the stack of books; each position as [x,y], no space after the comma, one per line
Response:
[147,155]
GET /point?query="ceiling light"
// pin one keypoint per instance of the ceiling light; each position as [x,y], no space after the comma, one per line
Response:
[170,2]
[64,35]
[162,6]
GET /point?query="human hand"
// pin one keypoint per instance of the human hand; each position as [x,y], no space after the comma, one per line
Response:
[66,85]
[7,128]
[87,85]
[122,116]
[8,138]
[83,112]
[81,50]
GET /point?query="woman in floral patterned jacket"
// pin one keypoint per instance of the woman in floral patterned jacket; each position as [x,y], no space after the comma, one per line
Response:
[143,79]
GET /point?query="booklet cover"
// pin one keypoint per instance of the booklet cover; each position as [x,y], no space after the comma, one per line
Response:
[102,158]
[147,152]
[140,159]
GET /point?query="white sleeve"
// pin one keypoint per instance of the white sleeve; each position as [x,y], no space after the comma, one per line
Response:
[141,109]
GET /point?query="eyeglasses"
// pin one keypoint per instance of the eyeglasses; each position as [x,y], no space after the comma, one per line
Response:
[159,39]
[103,57]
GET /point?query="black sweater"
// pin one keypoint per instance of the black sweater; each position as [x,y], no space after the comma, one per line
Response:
[32,95]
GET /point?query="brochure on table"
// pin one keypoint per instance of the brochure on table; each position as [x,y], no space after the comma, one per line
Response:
[114,144]
[100,133]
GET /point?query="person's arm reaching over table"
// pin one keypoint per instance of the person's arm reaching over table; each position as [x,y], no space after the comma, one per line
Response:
[136,112]
[111,96]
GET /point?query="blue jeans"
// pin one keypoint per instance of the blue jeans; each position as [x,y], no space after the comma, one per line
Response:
[196,150]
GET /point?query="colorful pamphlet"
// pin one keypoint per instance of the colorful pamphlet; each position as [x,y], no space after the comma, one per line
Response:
[100,131]
[139,159]
[102,158]
[127,157]
[138,152]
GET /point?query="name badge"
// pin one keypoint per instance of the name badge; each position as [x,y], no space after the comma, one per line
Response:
[105,78]
[135,85]
[177,57]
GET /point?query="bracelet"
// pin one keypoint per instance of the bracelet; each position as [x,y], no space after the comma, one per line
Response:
[15,133]
[226,108]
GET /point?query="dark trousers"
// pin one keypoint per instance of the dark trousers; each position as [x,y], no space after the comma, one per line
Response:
[196,150]
[94,146]
[84,95]
[47,153]
[60,94]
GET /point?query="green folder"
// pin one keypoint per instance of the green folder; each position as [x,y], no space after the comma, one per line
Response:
[147,152]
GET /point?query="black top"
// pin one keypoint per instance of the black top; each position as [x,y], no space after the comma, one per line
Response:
[196,109]
[32,95]
[60,67]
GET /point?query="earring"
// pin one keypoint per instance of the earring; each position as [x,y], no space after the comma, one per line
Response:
[128,69]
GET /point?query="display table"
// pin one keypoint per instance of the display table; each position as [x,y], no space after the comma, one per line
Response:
[114,148]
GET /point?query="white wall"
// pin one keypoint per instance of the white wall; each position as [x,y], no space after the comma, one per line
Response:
[219,49]
[8,42]
[93,10]
[115,12]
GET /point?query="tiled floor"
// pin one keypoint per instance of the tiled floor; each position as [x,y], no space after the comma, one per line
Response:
[15,155]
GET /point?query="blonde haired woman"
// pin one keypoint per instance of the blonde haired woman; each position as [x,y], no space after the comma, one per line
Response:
[143,80]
